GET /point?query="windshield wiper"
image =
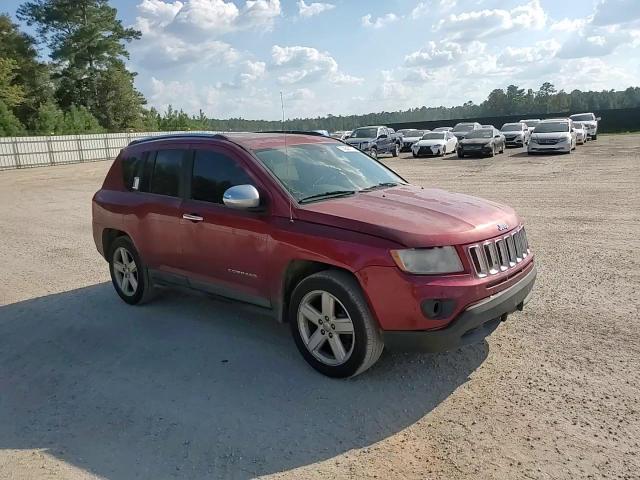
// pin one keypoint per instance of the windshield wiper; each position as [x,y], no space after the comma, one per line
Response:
[331,194]
[380,185]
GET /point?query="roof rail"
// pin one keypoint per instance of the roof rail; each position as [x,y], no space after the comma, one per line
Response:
[295,132]
[178,135]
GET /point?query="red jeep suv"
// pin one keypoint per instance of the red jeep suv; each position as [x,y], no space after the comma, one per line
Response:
[324,237]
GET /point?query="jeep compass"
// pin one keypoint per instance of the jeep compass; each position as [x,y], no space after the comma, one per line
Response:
[312,230]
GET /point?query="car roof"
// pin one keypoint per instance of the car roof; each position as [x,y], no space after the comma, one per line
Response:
[555,120]
[248,140]
[512,123]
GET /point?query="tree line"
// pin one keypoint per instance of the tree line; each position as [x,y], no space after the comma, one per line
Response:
[85,87]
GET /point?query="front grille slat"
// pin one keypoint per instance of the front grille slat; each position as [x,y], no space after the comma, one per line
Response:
[499,254]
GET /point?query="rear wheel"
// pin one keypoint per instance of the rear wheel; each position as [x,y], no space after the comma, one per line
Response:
[332,326]
[128,274]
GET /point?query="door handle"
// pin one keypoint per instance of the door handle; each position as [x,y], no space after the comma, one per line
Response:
[192,217]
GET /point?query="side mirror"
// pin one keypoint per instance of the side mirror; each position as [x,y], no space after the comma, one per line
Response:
[598,118]
[241,197]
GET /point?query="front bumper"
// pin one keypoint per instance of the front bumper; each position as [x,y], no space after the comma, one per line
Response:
[428,151]
[472,325]
[557,147]
[480,151]
[515,142]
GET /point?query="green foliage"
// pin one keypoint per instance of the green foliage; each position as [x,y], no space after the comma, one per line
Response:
[10,126]
[87,44]
[49,119]
[80,120]
[29,74]
[10,93]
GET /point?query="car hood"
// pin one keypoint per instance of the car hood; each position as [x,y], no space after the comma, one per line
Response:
[428,143]
[550,135]
[475,141]
[411,139]
[460,134]
[413,216]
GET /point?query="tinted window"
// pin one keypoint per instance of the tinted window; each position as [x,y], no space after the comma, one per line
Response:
[131,168]
[165,179]
[213,174]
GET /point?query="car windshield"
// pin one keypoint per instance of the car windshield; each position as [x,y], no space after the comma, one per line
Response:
[414,133]
[463,127]
[371,132]
[531,123]
[511,127]
[551,127]
[481,133]
[323,170]
[583,117]
[433,136]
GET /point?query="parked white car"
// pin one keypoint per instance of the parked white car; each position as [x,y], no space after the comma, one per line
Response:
[516,134]
[588,120]
[531,123]
[435,143]
[553,135]
[581,133]
[409,137]
[442,129]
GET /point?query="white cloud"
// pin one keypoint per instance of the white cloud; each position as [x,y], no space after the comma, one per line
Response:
[384,20]
[610,12]
[438,54]
[569,24]
[315,8]
[490,23]
[260,13]
[595,42]
[425,9]
[539,52]
[307,64]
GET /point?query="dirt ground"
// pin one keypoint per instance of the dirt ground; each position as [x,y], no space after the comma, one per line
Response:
[189,387]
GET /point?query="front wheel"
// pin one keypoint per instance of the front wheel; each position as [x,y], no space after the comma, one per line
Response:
[332,326]
[128,274]
[595,137]
[373,153]
[460,154]
[396,150]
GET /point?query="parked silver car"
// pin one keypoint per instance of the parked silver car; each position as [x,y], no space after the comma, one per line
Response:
[588,120]
[553,135]
[516,134]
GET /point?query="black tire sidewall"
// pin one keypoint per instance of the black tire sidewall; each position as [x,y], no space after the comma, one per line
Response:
[142,278]
[351,366]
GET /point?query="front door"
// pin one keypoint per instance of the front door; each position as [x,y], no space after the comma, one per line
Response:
[225,249]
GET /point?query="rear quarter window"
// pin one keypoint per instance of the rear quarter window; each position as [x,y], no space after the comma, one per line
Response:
[132,166]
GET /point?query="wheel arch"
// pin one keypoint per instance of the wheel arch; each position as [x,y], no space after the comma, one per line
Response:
[296,271]
[109,235]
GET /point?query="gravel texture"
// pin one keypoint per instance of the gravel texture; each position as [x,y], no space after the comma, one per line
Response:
[189,387]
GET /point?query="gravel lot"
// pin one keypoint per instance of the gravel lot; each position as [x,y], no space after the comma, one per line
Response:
[189,387]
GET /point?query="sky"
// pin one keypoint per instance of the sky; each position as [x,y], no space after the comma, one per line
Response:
[232,58]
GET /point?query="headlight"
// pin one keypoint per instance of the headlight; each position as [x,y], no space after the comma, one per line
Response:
[488,145]
[423,261]
[563,140]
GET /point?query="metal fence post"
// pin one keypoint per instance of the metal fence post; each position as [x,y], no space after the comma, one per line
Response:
[50,151]
[16,153]
[79,146]
[106,147]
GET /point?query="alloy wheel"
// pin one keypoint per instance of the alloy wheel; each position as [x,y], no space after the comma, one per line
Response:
[326,328]
[126,271]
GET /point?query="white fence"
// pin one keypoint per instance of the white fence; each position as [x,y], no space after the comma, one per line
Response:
[22,152]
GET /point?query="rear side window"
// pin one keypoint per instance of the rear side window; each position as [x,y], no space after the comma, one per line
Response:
[213,174]
[165,179]
[132,168]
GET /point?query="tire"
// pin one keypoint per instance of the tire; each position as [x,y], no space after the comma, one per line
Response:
[460,155]
[361,348]
[493,152]
[373,153]
[595,137]
[396,150]
[144,290]
[414,155]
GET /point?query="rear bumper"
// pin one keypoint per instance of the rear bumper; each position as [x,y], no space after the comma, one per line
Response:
[471,326]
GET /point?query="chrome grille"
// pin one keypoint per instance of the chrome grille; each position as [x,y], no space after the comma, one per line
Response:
[499,254]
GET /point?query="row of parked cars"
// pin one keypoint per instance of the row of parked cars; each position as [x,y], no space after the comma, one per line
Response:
[475,139]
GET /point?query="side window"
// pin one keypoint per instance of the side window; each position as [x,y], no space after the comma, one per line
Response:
[165,179]
[213,174]
[132,170]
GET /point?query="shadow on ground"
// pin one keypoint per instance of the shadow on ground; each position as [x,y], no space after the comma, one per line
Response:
[193,387]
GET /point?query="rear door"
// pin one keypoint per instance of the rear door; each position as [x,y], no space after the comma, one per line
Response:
[155,219]
[225,249]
